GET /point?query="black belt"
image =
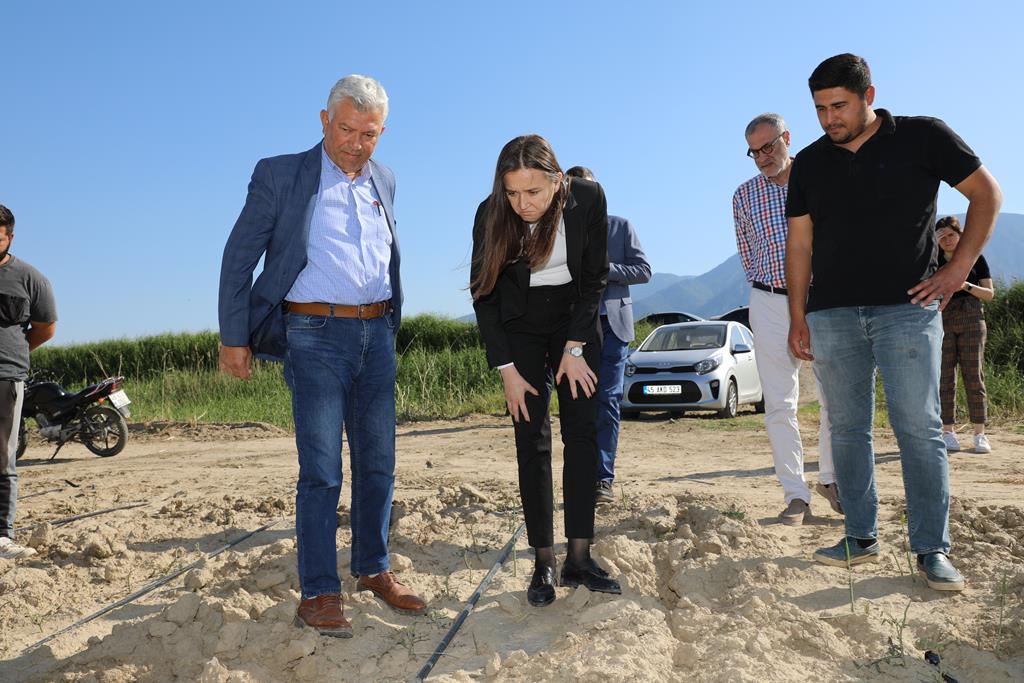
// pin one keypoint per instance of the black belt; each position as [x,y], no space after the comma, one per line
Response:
[768,288]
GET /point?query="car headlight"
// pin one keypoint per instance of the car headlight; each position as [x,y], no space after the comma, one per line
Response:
[630,369]
[705,366]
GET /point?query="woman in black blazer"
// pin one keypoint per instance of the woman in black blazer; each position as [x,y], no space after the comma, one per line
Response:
[540,264]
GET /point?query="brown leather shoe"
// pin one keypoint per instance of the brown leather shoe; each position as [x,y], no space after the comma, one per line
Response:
[396,594]
[326,614]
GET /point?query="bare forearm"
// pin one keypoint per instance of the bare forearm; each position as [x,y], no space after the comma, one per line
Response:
[38,334]
[985,198]
[798,279]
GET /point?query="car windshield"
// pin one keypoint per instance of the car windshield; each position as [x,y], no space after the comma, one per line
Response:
[686,338]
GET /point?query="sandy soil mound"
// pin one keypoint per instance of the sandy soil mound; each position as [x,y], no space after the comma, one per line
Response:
[713,588]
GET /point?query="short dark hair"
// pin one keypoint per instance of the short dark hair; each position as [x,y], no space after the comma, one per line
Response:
[842,71]
[951,222]
[6,219]
[580,172]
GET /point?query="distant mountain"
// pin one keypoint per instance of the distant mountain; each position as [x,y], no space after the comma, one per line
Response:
[725,286]
[716,291]
[1005,251]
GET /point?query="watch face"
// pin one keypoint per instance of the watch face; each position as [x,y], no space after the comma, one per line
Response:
[576,351]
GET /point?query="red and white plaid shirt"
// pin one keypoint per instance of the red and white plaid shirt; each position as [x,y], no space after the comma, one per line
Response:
[759,212]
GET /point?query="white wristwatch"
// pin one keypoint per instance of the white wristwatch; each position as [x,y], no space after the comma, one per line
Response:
[574,351]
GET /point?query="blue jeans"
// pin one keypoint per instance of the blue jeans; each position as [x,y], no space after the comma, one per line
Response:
[341,371]
[904,342]
[609,392]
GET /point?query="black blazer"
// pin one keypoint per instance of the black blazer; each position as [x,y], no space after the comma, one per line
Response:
[586,243]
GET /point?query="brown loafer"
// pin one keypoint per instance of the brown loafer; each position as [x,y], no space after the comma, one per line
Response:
[326,614]
[396,594]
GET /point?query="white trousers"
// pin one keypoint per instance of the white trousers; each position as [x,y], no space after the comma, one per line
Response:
[779,371]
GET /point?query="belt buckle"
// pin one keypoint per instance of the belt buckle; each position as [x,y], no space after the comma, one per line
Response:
[359,311]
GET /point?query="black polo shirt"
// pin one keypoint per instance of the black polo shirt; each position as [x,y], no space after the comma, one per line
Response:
[874,210]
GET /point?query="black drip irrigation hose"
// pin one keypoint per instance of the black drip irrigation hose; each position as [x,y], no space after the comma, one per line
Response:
[149,587]
[43,493]
[85,515]
[470,604]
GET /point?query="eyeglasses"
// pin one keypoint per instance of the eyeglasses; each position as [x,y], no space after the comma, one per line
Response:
[764,149]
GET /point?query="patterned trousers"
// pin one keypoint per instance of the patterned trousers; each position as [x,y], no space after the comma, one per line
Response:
[963,344]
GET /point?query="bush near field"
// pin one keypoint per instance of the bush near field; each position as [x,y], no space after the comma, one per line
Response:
[442,371]
[146,357]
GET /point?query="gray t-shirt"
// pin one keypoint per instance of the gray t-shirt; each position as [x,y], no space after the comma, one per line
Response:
[25,295]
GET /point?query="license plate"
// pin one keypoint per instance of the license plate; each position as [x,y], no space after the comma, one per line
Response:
[119,399]
[663,389]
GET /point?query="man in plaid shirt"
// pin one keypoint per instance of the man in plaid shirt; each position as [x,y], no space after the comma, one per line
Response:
[759,212]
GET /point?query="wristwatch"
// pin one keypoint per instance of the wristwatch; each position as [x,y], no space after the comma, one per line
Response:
[574,351]
[969,286]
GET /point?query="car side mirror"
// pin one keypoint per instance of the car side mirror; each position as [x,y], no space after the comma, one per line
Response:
[741,348]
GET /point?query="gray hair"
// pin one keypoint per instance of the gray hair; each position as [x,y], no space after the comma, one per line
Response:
[774,120]
[366,94]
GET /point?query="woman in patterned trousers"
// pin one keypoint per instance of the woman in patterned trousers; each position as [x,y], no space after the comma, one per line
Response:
[963,344]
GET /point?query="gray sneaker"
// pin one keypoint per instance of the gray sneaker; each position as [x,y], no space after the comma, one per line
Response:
[835,556]
[952,443]
[940,572]
[605,493]
[794,513]
[9,550]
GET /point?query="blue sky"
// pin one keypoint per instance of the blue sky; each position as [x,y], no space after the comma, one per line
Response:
[129,130]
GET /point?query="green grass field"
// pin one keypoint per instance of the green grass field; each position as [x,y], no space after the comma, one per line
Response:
[442,373]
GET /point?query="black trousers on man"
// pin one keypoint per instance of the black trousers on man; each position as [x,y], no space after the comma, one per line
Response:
[537,341]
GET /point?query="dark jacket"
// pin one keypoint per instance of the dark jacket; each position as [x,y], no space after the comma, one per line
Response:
[585,215]
[275,223]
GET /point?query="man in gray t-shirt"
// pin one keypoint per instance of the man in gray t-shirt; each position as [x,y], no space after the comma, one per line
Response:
[28,318]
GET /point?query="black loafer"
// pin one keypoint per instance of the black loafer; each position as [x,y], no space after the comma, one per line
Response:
[542,586]
[591,576]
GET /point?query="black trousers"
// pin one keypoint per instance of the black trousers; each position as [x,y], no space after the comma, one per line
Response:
[537,341]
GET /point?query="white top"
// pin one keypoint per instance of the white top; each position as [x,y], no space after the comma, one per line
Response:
[556,270]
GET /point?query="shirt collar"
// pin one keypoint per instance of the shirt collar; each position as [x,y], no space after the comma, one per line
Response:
[328,167]
[768,182]
[888,124]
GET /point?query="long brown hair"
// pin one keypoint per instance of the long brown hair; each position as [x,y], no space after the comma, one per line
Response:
[507,237]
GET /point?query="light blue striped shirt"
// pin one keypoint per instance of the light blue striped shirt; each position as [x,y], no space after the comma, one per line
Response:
[349,250]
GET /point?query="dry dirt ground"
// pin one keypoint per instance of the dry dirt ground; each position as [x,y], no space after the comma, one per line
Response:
[713,588]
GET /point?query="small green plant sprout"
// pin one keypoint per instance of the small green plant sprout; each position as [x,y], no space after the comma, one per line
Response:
[1002,606]
[849,572]
[734,513]
[906,544]
[896,647]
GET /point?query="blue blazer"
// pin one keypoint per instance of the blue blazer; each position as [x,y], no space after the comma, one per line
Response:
[274,224]
[627,265]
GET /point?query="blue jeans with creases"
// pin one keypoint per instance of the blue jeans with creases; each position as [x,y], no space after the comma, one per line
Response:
[341,372]
[904,343]
[609,393]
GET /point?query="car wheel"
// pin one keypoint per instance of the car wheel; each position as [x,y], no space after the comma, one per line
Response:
[759,406]
[732,401]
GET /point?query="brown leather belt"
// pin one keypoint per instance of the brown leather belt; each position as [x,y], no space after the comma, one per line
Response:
[362,311]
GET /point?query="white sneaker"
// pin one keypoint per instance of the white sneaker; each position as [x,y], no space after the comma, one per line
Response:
[981,444]
[952,445]
[9,550]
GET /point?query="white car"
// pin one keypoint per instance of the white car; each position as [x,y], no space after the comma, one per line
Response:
[704,365]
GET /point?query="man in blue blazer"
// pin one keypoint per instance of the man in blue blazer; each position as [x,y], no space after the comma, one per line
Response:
[627,265]
[328,303]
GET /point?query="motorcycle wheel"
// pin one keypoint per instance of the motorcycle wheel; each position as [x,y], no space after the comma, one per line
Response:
[104,431]
[22,441]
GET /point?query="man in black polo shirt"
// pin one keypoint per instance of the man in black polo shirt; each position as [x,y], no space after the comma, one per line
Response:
[861,210]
